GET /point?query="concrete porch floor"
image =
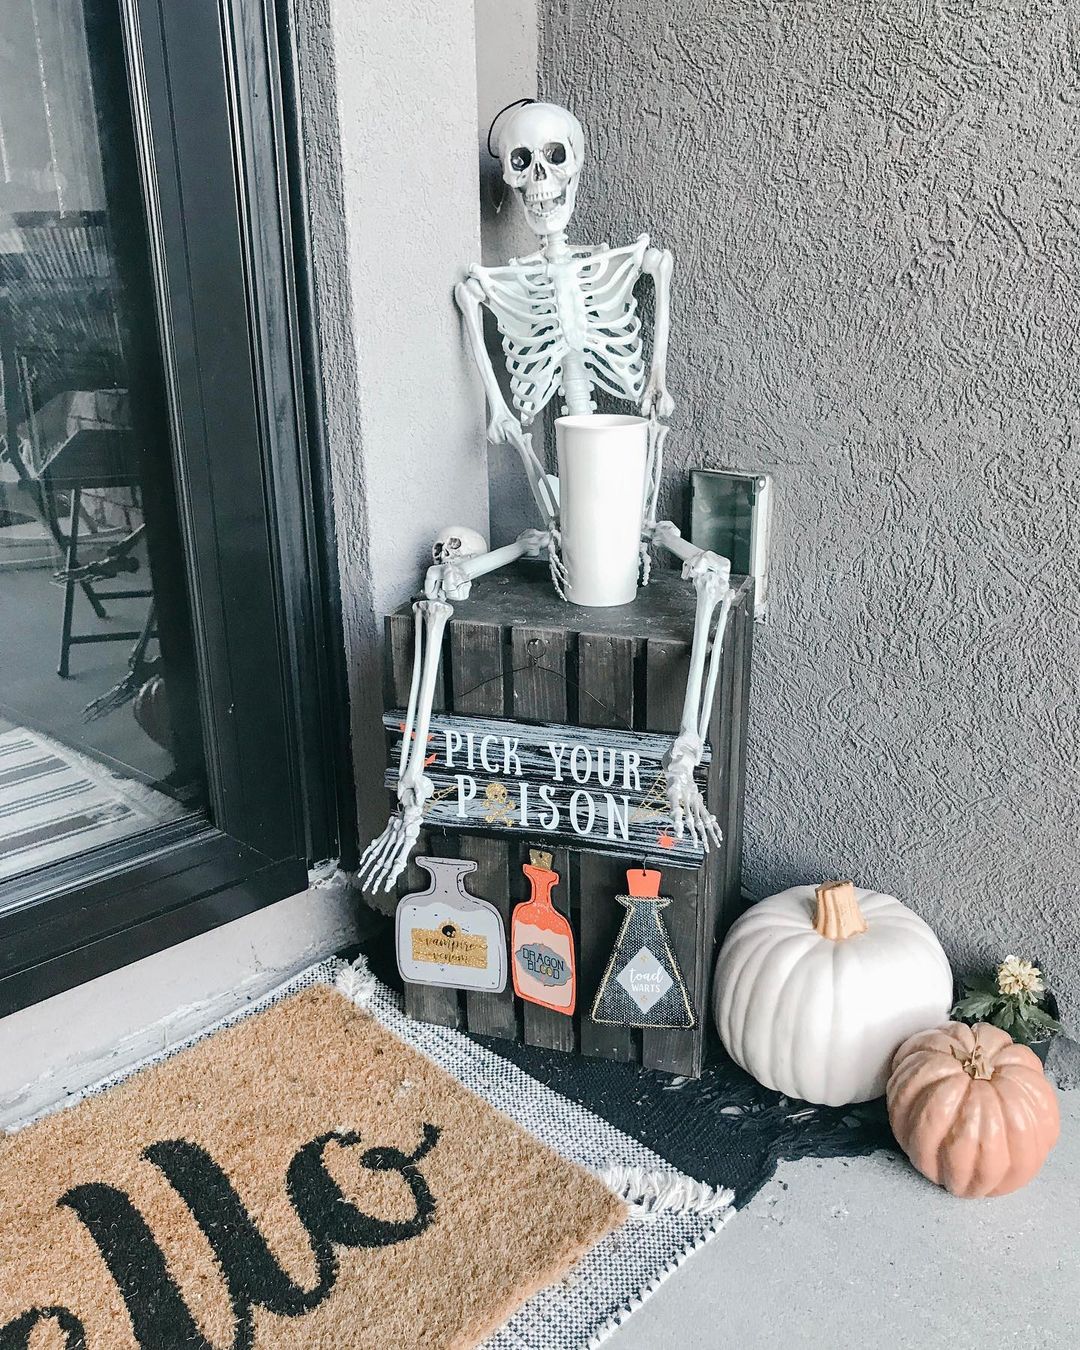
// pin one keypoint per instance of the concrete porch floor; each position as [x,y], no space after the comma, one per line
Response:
[864,1254]
[849,1254]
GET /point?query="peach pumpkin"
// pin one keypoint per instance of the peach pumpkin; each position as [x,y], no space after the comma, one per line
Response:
[972,1110]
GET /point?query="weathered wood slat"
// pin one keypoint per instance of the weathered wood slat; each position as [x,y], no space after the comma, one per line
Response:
[605,697]
[477,681]
[426,1002]
[538,658]
[532,739]
[667,665]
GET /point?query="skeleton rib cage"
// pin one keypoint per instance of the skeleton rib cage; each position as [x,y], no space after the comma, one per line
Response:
[585,307]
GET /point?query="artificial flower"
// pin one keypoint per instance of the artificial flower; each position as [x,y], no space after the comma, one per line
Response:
[1015,976]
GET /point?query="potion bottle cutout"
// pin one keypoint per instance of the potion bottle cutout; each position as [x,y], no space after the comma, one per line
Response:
[542,943]
[643,985]
[448,937]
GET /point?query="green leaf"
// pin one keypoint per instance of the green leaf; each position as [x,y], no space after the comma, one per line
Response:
[975,1007]
[1004,1017]
[981,984]
[1041,1021]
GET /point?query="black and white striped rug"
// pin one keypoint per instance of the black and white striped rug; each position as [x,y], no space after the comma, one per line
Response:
[55,802]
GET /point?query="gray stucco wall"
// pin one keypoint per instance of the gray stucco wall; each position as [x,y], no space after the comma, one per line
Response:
[506,70]
[875,215]
[389,125]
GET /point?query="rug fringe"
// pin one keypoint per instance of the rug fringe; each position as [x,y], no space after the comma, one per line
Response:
[652,1193]
[617,1319]
[356,982]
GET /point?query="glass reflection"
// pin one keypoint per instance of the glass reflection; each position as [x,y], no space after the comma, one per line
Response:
[99,727]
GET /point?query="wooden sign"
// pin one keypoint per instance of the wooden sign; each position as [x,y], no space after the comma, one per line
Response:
[594,789]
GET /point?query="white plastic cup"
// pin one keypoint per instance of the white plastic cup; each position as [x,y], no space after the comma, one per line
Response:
[602,461]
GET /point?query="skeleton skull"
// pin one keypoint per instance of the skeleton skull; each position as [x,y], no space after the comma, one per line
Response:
[457,542]
[542,147]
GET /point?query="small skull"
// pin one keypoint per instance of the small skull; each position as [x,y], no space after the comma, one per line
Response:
[497,808]
[542,147]
[456,543]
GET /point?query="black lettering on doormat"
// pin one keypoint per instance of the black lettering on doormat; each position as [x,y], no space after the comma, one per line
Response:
[159,1316]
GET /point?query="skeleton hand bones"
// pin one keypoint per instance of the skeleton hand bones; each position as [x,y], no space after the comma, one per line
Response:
[710,575]
[688,810]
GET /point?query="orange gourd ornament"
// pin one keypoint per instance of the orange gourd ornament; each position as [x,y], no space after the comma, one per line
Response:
[972,1110]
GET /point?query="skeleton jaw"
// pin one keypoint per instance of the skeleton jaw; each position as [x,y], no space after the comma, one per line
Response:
[542,207]
[547,212]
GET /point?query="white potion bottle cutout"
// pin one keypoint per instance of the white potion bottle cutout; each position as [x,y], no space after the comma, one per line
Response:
[643,985]
[446,936]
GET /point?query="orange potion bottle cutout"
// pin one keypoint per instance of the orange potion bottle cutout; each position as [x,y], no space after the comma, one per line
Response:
[542,943]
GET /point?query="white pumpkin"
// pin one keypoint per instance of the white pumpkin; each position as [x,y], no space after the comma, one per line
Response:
[815,990]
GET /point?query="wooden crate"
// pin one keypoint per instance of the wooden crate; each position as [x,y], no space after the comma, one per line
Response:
[515,650]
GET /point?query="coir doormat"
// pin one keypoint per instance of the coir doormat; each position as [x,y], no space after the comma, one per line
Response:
[302,1176]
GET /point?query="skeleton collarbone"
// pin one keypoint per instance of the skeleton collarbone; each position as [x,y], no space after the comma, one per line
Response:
[568,324]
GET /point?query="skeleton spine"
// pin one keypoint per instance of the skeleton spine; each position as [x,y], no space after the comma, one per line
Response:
[576,387]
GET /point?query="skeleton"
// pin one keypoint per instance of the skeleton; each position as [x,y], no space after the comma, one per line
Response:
[569,324]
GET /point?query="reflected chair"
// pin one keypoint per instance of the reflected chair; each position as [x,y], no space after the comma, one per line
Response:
[67,429]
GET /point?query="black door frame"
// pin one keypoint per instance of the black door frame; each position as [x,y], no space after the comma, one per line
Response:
[217,140]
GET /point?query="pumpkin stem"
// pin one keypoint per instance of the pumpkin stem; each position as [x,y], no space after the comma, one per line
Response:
[976,1064]
[838,915]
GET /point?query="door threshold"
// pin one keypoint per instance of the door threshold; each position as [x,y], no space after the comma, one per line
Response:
[61,1046]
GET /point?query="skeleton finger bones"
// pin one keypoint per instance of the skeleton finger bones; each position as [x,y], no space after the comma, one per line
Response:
[685,804]
[385,857]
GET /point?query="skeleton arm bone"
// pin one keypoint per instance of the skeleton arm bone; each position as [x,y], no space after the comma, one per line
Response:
[469,295]
[453,581]
[654,474]
[714,663]
[503,427]
[658,263]
[710,575]
[385,857]
[668,535]
[656,402]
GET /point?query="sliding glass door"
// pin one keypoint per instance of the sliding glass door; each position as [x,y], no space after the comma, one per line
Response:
[100,734]
[164,745]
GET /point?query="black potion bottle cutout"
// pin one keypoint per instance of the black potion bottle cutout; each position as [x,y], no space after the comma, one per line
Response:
[446,936]
[643,985]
